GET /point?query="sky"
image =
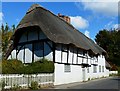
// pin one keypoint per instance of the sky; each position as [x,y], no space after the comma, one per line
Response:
[87,17]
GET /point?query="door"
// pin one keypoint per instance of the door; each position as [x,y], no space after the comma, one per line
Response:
[83,74]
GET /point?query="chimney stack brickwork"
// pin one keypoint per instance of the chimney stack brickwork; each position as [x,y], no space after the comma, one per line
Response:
[66,18]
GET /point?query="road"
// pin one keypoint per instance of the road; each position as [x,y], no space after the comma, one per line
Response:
[103,83]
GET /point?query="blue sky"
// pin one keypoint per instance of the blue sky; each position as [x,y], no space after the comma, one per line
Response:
[87,17]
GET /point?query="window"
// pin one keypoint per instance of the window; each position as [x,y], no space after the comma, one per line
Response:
[94,69]
[67,68]
[84,53]
[99,68]
[102,68]
[64,48]
[88,70]
[80,52]
[96,60]
[38,46]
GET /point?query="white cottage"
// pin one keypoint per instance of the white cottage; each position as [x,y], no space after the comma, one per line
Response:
[41,34]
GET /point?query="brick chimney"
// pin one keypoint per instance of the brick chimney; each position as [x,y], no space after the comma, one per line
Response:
[66,18]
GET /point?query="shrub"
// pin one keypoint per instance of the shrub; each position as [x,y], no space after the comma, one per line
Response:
[14,66]
[88,79]
[34,85]
[16,87]
[119,71]
[2,85]
[40,66]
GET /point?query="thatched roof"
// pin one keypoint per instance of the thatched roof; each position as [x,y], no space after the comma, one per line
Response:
[56,29]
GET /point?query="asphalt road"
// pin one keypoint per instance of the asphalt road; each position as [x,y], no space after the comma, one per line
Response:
[104,83]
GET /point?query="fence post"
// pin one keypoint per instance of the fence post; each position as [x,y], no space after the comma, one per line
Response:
[28,80]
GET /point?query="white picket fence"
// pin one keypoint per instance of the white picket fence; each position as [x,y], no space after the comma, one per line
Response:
[113,72]
[25,80]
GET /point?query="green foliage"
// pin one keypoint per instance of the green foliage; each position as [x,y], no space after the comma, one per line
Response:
[14,66]
[110,41]
[88,79]
[40,66]
[34,85]
[16,87]
[6,33]
[119,71]
[2,84]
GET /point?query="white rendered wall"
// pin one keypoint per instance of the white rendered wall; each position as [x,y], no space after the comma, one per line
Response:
[28,53]
[98,74]
[12,55]
[75,56]
[101,61]
[107,72]
[62,77]
[20,55]
[70,54]
[77,73]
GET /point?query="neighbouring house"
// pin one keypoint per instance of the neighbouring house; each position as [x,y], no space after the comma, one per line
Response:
[42,34]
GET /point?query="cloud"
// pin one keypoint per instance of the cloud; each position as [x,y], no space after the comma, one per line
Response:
[112,25]
[87,33]
[79,22]
[107,8]
[1,18]
[108,25]
[116,26]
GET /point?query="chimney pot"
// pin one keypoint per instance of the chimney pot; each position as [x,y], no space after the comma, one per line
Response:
[66,18]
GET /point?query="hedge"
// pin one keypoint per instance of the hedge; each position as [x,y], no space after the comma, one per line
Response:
[14,66]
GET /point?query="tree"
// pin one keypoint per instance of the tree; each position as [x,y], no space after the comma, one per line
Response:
[6,36]
[102,39]
[110,41]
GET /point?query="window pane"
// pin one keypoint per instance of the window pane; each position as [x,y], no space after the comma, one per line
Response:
[102,68]
[99,68]
[64,48]
[94,69]
[38,46]
[88,70]
[67,68]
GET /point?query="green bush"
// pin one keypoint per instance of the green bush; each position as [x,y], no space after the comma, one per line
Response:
[2,85]
[14,66]
[119,71]
[15,87]
[40,66]
[34,85]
